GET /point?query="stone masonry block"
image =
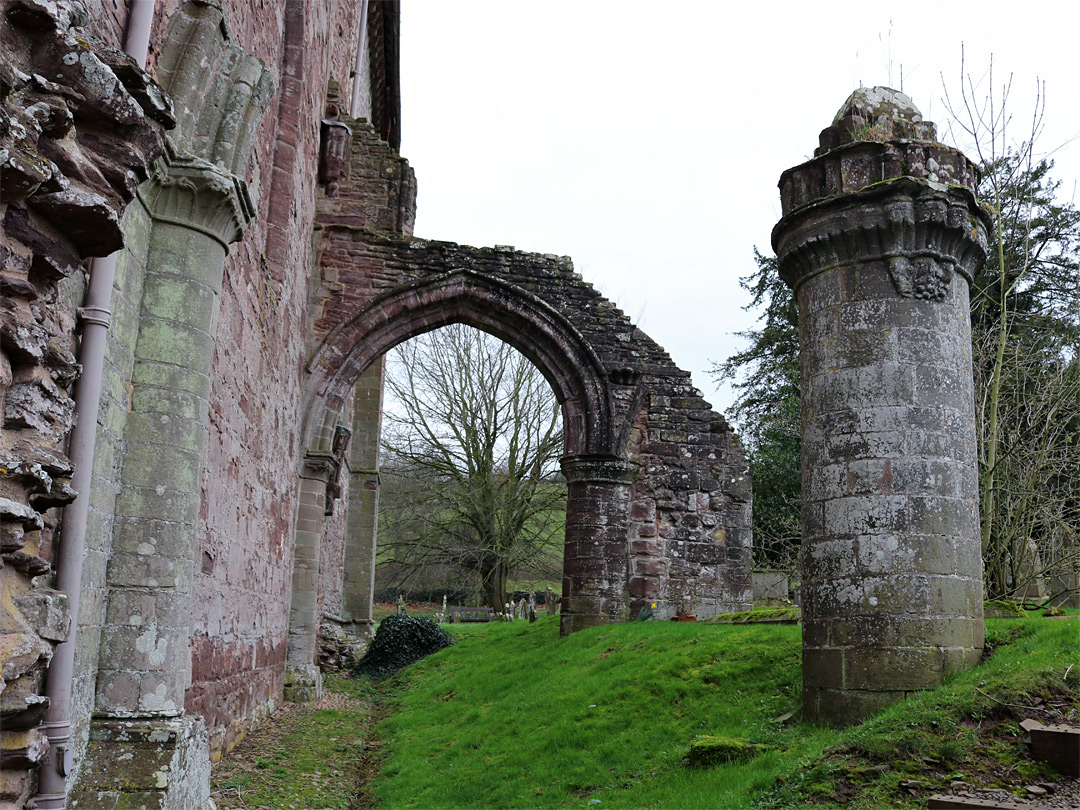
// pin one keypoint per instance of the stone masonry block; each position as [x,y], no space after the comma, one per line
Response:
[840,447]
[173,378]
[178,251]
[920,631]
[848,631]
[170,342]
[830,558]
[955,596]
[156,503]
[947,517]
[131,608]
[822,667]
[842,707]
[905,554]
[181,300]
[173,402]
[146,648]
[157,466]
[940,386]
[153,538]
[163,429]
[137,570]
[861,349]
[866,515]
[899,668]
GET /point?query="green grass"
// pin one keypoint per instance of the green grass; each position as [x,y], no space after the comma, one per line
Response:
[514,716]
[517,717]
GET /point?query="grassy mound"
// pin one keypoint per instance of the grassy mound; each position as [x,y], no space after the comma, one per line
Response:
[400,641]
[514,716]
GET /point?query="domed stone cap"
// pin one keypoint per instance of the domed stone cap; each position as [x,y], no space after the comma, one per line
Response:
[876,114]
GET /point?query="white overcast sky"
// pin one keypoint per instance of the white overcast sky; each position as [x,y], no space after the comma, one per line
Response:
[645,139]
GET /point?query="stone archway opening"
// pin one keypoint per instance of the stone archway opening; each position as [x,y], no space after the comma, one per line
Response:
[344,426]
[471,496]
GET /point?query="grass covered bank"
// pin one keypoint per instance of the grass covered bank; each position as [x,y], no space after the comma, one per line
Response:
[514,716]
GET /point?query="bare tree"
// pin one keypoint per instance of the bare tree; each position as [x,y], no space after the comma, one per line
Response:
[1025,339]
[471,440]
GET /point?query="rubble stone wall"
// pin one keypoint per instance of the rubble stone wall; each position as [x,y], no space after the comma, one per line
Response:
[80,126]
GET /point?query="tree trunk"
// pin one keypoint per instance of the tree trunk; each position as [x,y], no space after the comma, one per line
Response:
[495,585]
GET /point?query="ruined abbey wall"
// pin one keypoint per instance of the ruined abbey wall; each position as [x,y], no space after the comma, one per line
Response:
[205,175]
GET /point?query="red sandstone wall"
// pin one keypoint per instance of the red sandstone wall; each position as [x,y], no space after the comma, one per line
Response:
[243,568]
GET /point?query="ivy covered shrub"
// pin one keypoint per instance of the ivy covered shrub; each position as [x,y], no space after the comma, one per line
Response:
[399,641]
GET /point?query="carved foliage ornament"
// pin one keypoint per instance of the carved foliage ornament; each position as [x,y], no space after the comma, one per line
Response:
[922,277]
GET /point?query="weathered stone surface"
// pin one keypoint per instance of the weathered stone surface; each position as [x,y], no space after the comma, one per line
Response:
[138,760]
[880,238]
[73,146]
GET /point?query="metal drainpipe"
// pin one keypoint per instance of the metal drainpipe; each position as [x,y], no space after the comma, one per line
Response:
[95,316]
[357,75]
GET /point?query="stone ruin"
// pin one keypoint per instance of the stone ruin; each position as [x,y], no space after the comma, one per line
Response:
[264,261]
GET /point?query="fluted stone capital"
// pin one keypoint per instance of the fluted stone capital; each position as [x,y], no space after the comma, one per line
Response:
[191,192]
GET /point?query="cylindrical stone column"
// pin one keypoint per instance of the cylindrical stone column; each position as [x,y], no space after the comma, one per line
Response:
[880,236]
[595,555]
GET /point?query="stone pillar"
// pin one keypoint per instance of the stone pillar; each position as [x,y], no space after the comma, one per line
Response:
[880,236]
[359,579]
[303,680]
[144,666]
[595,557]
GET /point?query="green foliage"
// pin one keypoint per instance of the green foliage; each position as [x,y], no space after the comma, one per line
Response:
[766,376]
[1025,310]
[1025,313]
[400,641]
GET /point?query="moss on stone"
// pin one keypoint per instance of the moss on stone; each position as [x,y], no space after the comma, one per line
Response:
[707,751]
[776,615]
[1003,609]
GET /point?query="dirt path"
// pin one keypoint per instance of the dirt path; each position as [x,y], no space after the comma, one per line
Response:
[303,757]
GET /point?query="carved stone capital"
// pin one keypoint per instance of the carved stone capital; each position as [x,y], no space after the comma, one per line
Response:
[194,193]
[597,470]
[922,230]
[320,467]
